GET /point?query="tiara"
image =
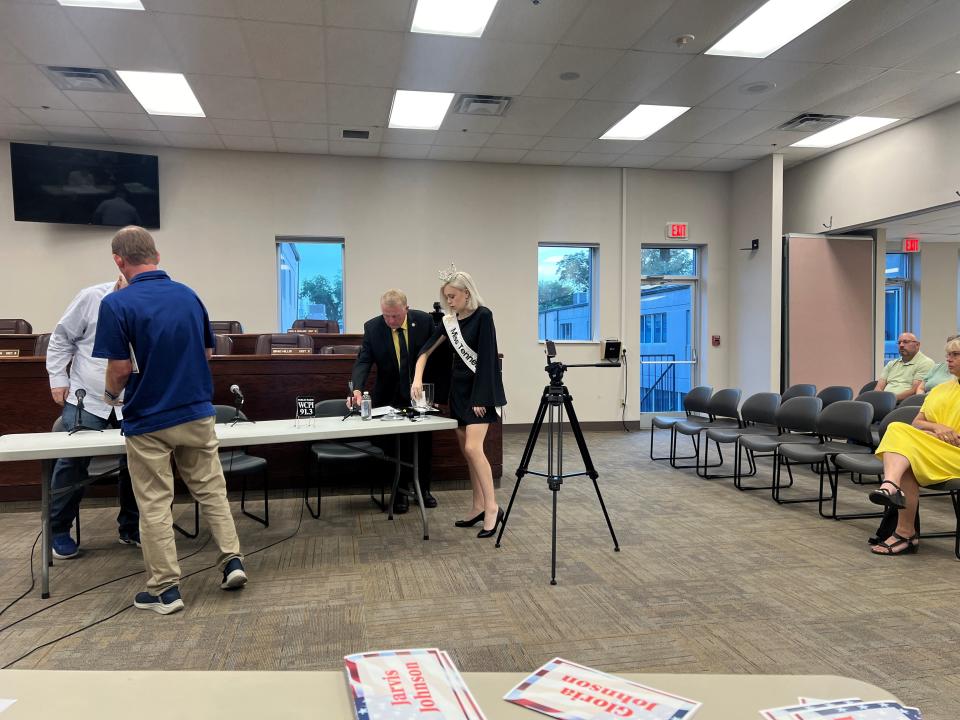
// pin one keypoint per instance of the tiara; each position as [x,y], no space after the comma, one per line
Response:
[448,274]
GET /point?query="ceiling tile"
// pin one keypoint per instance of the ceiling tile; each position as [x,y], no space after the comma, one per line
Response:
[512,142]
[499,154]
[369,14]
[852,26]
[249,142]
[121,102]
[592,159]
[126,40]
[590,63]
[613,147]
[695,123]
[780,138]
[782,74]
[12,116]
[138,137]
[169,123]
[700,78]
[562,144]
[78,134]
[546,157]
[748,125]
[707,20]
[204,141]
[213,8]
[590,119]
[207,45]
[354,147]
[434,62]
[294,102]
[748,152]
[228,97]
[926,29]
[9,54]
[399,150]
[356,105]
[400,136]
[636,75]
[470,123]
[658,148]
[937,94]
[25,86]
[335,132]
[943,58]
[64,118]
[637,161]
[285,52]
[525,22]
[533,116]
[306,131]
[302,145]
[122,121]
[615,23]
[438,152]
[363,57]
[258,128]
[819,86]
[24,133]
[449,138]
[723,165]
[891,85]
[677,162]
[306,12]
[704,150]
[45,35]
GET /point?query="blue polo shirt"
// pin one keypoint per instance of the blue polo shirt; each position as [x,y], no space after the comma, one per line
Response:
[166,326]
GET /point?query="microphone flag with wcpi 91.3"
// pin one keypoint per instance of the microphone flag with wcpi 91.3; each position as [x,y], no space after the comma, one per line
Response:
[235,389]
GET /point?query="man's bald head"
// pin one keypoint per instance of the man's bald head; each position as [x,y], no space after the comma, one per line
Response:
[908,345]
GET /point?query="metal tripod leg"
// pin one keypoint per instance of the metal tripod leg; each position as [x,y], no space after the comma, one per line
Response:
[525,459]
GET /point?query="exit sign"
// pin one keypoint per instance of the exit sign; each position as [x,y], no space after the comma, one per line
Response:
[911,244]
[676,231]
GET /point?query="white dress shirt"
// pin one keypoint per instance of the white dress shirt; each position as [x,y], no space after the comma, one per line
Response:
[72,341]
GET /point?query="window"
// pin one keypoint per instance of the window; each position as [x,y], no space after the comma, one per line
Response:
[565,292]
[668,261]
[310,280]
[653,328]
[896,302]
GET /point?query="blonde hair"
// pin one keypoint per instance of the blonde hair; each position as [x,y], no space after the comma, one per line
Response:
[135,245]
[953,344]
[392,298]
[462,281]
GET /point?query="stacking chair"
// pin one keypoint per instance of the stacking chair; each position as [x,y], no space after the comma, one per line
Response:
[759,416]
[695,405]
[913,401]
[236,462]
[723,413]
[799,390]
[266,343]
[40,347]
[843,427]
[797,422]
[319,326]
[883,403]
[835,393]
[872,385]
[329,452]
[226,326]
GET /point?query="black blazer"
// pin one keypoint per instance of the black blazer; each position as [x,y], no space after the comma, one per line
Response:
[377,349]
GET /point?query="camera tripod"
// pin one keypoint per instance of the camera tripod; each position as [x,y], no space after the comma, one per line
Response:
[554,401]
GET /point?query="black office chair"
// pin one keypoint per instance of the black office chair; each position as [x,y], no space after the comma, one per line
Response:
[266,343]
[340,350]
[695,405]
[328,452]
[759,416]
[799,390]
[843,427]
[41,345]
[797,422]
[318,326]
[236,463]
[223,345]
[226,326]
[835,393]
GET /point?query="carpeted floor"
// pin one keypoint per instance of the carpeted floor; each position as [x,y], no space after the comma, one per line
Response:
[709,580]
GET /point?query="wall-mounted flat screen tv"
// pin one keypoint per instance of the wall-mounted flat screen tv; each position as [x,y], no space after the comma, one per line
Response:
[84,187]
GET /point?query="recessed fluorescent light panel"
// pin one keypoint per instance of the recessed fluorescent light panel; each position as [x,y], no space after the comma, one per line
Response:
[773,25]
[643,122]
[416,110]
[841,132]
[465,18]
[162,93]
[110,4]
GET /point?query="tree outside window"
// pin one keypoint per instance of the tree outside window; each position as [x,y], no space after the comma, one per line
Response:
[565,292]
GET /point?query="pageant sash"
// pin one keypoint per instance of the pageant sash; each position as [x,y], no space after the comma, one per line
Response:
[466,353]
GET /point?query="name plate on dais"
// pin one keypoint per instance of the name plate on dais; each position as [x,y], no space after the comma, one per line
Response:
[291,351]
[10,353]
[304,331]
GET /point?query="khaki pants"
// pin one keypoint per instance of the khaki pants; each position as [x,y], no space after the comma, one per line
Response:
[194,445]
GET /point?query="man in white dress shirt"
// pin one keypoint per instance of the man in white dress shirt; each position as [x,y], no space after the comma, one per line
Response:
[71,344]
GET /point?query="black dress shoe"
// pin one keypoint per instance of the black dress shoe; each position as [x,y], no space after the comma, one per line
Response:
[469,523]
[492,531]
[429,500]
[401,505]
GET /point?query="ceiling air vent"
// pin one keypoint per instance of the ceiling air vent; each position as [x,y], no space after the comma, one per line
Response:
[812,122]
[356,135]
[488,105]
[89,79]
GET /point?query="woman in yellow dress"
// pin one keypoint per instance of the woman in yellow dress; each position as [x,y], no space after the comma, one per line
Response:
[925,453]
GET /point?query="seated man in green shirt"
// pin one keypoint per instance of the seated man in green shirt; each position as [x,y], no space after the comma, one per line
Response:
[902,377]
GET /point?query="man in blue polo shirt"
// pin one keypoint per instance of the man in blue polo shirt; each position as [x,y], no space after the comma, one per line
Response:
[157,340]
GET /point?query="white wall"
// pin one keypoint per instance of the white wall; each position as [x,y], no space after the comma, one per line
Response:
[754,277]
[938,295]
[402,220]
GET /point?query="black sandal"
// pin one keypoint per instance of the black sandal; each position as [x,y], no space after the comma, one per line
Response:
[909,546]
[882,496]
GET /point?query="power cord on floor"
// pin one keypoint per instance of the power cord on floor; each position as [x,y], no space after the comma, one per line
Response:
[126,607]
[33,580]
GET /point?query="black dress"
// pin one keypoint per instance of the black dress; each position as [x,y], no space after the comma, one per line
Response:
[483,388]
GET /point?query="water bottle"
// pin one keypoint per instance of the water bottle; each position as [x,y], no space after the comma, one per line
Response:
[366,407]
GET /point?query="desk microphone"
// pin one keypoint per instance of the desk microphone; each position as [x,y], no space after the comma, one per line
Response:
[78,425]
[235,389]
[352,409]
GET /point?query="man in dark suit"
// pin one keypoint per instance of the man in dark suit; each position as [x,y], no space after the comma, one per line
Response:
[392,341]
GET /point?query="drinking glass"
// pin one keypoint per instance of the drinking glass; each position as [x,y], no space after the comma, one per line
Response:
[425,401]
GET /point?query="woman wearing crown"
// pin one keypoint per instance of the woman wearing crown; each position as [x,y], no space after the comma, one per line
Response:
[476,388]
